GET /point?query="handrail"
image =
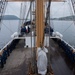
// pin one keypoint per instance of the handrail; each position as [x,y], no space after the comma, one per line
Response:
[65,42]
[10,42]
[6,45]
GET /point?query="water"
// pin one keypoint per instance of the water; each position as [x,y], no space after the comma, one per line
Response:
[7,29]
[58,9]
[67,29]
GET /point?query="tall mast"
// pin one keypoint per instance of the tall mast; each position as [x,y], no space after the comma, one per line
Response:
[40,22]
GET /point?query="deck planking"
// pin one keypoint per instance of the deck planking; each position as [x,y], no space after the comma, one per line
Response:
[17,62]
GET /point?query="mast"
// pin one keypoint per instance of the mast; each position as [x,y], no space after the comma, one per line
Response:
[40,22]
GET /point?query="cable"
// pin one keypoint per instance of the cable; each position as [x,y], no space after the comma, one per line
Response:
[28,12]
[20,22]
[13,9]
[34,51]
[9,20]
[22,15]
[31,31]
[49,39]
[3,11]
[67,28]
[7,28]
[24,12]
[71,11]
[72,6]
[59,8]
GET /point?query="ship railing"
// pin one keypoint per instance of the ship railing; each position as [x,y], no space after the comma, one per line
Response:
[6,50]
[5,46]
[65,43]
[68,49]
[16,38]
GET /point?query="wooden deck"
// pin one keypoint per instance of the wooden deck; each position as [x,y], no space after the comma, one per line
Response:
[60,63]
[17,62]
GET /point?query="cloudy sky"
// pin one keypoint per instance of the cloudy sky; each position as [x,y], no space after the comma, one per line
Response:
[58,9]
[61,9]
[13,8]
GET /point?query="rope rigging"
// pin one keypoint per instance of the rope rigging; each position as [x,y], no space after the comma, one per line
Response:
[3,4]
[68,27]
[8,28]
[33,51]
[28,12]
[73,5]
[48,11]
[48,22]
[9,24]
[62,23]
[13,9]
[59,8]
[22,15]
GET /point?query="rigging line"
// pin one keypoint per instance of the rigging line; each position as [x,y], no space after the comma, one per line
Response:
[28,12]
[48,16]
[21,14]
[67,27]
[59,8]
[72,12]
[4,8]
[34,50]
[48,11]
[70,7]
[24,11]
[32,61]
[31,29]
[63,14]
[20,22]
[49,38]
[9,20]
[7,28]
[13,9]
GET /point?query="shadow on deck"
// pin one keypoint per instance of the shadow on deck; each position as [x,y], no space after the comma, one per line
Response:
[17,62]
[60,63]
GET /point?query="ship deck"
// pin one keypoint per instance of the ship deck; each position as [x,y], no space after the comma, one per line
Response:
[18,61]
[60,62]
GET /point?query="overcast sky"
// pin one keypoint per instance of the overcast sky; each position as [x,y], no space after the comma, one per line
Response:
[58,9]
[13,8]
[61,9]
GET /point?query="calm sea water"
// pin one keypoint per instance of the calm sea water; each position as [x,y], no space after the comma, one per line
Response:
[66,28]
[7,29]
